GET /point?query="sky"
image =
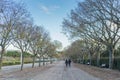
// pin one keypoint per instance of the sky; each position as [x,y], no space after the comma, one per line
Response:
[50,14]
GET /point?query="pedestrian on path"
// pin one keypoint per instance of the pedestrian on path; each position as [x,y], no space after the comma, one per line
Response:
[69,62]
[66,62]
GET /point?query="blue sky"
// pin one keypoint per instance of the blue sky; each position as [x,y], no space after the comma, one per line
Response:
[50,14]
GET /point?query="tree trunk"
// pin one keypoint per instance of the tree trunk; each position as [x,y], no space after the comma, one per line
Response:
[39,61]
[33,61]
[90,58]
[22,61]
[51,60]
[83,59]
[1,57]
[111,57]
[43,61]
[98,59]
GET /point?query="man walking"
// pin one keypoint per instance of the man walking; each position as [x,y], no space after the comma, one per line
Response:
[69,62]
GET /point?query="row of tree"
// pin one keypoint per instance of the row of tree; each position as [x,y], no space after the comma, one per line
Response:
[79,52]
[97,24]
[17,28]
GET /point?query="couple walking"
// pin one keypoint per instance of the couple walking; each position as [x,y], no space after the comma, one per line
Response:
[68,62]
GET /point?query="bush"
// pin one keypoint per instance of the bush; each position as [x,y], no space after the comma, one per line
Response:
[8,63]
[17,62]
[105,61]
[16,54]
[26,62]
[116,63]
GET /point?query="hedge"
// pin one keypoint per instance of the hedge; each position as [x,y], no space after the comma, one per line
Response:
[105,61]
[116,64]
[8,63]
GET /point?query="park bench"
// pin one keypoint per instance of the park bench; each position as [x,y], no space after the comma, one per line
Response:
[103,65]
[88,63]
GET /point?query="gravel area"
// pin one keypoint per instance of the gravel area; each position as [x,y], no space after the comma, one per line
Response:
[103,73]
[26,74]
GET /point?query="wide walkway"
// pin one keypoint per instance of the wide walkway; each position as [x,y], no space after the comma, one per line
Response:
[60,72]
[57,71]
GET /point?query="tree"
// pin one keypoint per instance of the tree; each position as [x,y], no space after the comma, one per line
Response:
[10,13]
[37,41]
[97,19]
[21,40]
[76,51]
[35,36]
[57,44]
[42,43]
[51,50]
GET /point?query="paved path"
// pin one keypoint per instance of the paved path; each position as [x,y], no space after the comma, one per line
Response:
[60,72]
[57,72]
[7,69]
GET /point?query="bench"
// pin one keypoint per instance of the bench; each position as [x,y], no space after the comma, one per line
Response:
[88,63]
[103,65]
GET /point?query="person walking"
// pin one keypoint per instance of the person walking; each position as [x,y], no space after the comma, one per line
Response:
[66,62]
[69,62]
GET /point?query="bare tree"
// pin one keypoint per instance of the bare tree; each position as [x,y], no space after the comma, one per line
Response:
[99,20]
[76,51]
[52,49]
[10,13]
[21,40]
[57,44]
[35,36]
[38,41]
[42,45]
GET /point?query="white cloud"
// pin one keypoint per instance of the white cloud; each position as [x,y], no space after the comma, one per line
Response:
[55,7]
[45,9]
[49,9]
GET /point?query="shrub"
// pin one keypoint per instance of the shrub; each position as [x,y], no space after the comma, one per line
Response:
[8,63]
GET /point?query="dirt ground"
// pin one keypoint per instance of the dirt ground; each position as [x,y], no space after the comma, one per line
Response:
[27,73]
[103,73]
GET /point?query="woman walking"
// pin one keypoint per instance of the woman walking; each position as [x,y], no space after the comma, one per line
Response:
[66,62]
